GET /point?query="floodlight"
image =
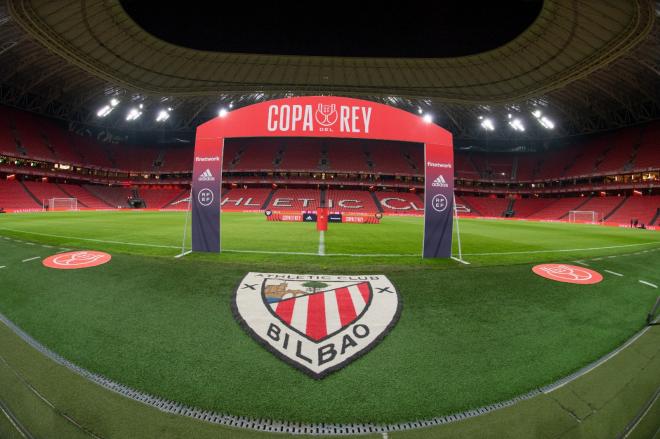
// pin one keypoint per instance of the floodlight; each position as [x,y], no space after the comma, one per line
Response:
[133,114]
[517,124]
[104,111]
[428,118]
[163,115]
[488,124]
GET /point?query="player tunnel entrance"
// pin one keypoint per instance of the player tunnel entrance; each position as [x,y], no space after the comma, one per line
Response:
[334,119]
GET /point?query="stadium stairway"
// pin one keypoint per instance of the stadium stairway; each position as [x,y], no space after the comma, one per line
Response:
[323,198]
[617,207]
[509,208]
[655,218]
[376,202]
[27,191]
[264,206]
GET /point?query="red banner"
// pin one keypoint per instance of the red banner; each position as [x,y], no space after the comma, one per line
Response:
[335,117]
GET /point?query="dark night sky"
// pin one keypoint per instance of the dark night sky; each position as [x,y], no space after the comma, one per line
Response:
[338,28]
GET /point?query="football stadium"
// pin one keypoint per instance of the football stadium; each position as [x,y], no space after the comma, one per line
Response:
[354,220]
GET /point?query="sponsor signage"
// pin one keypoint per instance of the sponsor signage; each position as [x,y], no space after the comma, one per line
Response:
[325,116]
[568,273]
[334,217]
[207,171]
[76,260]
[316,323]
[439,202]
[322,117]
[309,217]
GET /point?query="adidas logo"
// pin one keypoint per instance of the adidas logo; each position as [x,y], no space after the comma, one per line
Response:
[206,176]
[439,182]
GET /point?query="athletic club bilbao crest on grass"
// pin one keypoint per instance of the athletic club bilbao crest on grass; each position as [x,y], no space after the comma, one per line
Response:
[317,323]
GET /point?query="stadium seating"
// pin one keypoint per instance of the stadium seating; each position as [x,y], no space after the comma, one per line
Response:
[559,208]
[464,168]
[487,206]
[296,200]
[585,161]
[642,208]
[158,198]
[134,158]
[400,203]
[13,196]
[240,199]
[527,167]
[348,156]
[620,152]
[182,202]
[347,201]
[493,166]
[29,137]
[179,159]
[648,156]
[85,198]
[301,155]
[388,158]
[61,143]
[525,207]
[464,208]
[602,205]
[93,153]
[257,155]
[44,191]
[115,196]
[7,142]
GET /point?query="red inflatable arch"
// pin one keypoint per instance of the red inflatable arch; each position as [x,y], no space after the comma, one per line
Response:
[330,117]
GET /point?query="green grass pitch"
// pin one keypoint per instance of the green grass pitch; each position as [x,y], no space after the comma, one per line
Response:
[468,335]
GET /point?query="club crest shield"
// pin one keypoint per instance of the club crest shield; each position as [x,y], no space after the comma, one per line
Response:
[316,323]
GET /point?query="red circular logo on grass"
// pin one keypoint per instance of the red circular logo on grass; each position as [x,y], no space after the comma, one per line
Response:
[76,260]
[568,273]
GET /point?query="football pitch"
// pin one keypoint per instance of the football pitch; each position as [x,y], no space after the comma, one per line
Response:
[468,336]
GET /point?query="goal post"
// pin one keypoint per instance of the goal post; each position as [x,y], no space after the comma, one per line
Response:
[583,216]
[61,204]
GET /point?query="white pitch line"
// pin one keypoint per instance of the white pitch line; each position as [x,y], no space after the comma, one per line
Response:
[557,251]
[648,283]
[93,240]
[386,255]
[30,243]
[3,266]
[613,272]
[321,243]
[582,263]
[597,259]
[31,259]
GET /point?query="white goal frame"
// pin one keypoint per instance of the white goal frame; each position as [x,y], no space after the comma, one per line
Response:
[65,203]
[587,216]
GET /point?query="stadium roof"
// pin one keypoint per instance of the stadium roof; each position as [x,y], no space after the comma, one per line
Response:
[589,66]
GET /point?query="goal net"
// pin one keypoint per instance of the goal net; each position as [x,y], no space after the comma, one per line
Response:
[583,216]
[61,204]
